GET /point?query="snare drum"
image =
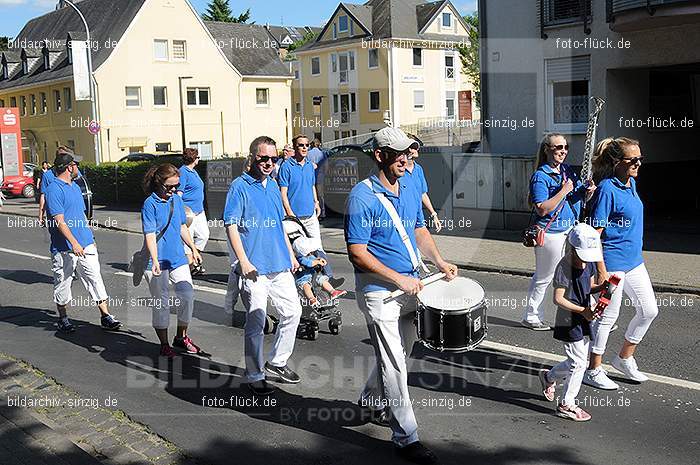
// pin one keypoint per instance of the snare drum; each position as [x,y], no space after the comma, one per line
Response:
[451,316]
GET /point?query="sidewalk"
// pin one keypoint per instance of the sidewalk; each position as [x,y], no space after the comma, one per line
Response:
[670,271]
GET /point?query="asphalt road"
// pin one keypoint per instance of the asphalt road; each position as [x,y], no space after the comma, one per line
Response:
[479,407]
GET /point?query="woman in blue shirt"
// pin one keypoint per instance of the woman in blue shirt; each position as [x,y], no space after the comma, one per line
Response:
[168,264]
[556,193]
[192,192]
[618,215]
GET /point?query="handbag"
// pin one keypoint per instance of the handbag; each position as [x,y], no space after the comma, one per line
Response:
[139,259]
[533,235]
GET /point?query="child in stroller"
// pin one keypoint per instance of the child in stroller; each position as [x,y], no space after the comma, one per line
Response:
[319,299]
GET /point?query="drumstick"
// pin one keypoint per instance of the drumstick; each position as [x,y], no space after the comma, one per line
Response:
[425,281]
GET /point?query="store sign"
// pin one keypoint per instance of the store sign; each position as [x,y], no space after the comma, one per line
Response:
[11,142]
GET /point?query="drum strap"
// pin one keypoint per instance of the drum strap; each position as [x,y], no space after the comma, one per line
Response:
[398,224]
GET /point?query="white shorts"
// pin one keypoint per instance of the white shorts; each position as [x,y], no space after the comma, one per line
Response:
[199,230]
[65,264]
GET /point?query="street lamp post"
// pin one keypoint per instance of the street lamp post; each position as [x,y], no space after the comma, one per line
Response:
[182,110]
[93,93]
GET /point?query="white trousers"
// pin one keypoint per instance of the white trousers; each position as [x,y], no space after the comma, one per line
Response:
[233,287]
[199,230]
[312,226]
[65,264]
[280,288]
[637,285]
[392,333]
[572,369]
[183,301]
[547,258]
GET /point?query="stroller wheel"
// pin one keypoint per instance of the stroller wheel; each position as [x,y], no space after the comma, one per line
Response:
[313,333]
[335,325]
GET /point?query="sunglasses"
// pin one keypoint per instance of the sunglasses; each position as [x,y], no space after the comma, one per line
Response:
[397,155]
[303,145]
[633,161]
[559,147]
[265,159]
[169,187]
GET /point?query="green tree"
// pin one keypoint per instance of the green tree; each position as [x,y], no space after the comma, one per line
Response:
[308,37]
[219,10]
[4,43]
[469,55]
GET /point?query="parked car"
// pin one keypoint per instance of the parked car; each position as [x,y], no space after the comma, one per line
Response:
[29,169]
[18,186]
[138,157]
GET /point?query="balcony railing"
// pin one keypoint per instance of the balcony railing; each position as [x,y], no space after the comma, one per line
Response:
[560,12]
[614,7]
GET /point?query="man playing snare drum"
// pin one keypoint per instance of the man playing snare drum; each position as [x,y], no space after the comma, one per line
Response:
[384,256]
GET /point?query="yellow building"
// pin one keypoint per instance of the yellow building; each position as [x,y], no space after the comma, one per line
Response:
[383,61]
[143,51]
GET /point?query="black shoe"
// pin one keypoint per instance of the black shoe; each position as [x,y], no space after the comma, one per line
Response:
[110,323]
[336,282]
[261,388]
[417,453]
[376,417]
[65,326]
[284,373]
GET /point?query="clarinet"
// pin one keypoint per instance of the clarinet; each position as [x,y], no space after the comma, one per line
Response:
[589,148]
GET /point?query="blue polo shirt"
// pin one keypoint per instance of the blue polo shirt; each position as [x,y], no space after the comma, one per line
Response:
[545,183]
[48,177]
[192,188]
[317,157]
[368,222]
[619,210]
[299,180]
[417,178]
[257,210]
[154,217]
[67,200]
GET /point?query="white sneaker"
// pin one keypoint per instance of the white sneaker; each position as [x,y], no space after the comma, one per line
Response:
[599,379]
[628,366]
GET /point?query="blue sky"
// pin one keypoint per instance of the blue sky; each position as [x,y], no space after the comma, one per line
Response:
[15,13]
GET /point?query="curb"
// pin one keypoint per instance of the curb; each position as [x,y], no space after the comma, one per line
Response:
[666,288]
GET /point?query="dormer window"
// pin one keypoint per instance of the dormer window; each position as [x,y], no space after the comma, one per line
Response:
[25,66]
[5,71]
[335,31]
[343,24]
[447,20]
[69,52]
[47,61]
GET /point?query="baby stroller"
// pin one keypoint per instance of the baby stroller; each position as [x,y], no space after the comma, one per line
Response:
[326,309]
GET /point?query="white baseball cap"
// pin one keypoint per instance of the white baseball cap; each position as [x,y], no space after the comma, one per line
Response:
[586,241]
[393,138]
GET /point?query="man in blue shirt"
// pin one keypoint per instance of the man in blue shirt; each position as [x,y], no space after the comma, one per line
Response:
[384,255]
[253,217]
[73,247]
[318,158]
[47,178]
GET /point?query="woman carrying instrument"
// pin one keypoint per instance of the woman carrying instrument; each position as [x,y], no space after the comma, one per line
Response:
[165,231]
[618,215]
[556,193]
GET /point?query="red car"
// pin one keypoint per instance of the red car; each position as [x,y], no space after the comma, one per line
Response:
[18,186]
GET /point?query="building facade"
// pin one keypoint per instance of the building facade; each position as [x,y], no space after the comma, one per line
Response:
[383,62]
[150,58]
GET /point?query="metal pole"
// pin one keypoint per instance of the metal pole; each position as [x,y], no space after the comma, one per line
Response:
[93,96]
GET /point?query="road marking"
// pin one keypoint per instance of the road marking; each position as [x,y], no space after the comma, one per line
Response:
[24,254]
[558,358]
[197,287]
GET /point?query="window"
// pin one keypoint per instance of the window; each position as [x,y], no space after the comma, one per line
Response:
[374,100]
[133,97]
[373,58]
[449,67]
[450,104]
[5,71]
[336,135]
[351,58]
[162,146]
[335,103]
[342,23]
[335,31]
[334,62]
[297,107]
[262,97]
[348,105]
[67,99]
[56,101]
[352,29]
[568,92]
[25,66]
[447,20]
[47,62]
[179,50]
[346,63]
[204,148]
[69,52]
[418,57]
[33,104]
[315,66]
[565,11]
[316,102]
[13,102]
[418,100]
[198,96]
[160,50]
[23,105]
[296,73]
[160,96]
[42,101]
